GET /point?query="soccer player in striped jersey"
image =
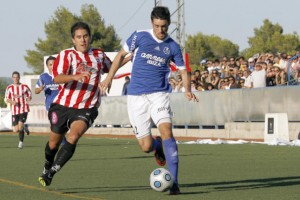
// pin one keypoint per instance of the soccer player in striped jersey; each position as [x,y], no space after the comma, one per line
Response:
[18,95]
[148,92]
[75,107]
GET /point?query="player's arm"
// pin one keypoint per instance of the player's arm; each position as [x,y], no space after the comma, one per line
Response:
[117,63]
[63,78]
[39,87]
[186,78]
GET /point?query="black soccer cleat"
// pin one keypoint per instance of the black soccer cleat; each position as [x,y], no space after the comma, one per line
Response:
[174,190]
[159,153]
[45,179]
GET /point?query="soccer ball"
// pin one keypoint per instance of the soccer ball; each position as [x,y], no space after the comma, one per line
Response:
[161,180]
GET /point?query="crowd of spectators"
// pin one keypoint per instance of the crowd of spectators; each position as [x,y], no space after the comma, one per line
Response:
[265,70]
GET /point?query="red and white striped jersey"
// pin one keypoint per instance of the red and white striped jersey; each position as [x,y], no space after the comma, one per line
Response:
[18,93]
[78,94]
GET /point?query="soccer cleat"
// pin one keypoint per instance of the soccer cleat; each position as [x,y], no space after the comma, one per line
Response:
[174,190]
[20,145]
[159,153]
[26,129]
[45,179]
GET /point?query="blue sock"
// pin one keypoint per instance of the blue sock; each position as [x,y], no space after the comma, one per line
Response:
[171,154]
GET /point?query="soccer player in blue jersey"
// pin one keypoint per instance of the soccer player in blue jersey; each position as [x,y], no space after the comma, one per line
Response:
[148,92]
[46,84]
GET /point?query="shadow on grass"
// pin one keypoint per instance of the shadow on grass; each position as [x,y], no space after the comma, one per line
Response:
[114,189]
[249,183]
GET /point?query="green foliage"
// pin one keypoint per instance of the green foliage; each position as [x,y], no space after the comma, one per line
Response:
[2,93]
[202,46]
[270,38]
[58,36]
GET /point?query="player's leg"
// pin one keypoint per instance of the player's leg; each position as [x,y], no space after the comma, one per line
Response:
[171,153]
[77,129]
[18,120]
[79,122]
[161,115]
[139,116]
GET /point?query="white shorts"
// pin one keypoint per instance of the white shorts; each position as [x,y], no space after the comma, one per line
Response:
[146,109]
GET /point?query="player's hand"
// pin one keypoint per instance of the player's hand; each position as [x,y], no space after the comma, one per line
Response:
[191,96]
[105,85]
[82,77]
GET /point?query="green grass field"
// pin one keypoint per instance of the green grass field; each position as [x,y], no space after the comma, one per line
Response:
[117,169]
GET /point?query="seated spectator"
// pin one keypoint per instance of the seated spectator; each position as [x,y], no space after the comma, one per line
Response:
[241,83]
[232,83]
[209,86]
[280,76]
[215,78]
[193,86]
[248,79]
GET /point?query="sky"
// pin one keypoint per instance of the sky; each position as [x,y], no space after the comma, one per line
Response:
[23,22]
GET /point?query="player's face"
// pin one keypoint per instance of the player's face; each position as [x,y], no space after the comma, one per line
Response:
[160,28]
[81,40]
[50,65]
[16,78]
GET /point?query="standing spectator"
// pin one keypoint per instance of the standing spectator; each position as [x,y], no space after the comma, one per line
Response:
[148,94]
[251,64]
[127,81]
[75,107]
[259,76]
[18,95]
[283,61]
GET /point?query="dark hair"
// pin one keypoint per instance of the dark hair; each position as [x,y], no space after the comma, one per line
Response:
[161,12]
[80,25]
[15,72]
[50,58]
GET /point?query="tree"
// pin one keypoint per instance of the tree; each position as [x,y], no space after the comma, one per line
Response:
[2,93]
[57,31]
[202,46]
[270,38]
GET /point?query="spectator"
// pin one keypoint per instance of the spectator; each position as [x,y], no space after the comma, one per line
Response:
[232,83]
[242,83]
[280,76]
[127,81]
[259,76]
[248,79]
[251,64]
[215,78]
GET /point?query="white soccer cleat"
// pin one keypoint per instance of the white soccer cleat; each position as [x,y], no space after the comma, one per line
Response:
[20,146]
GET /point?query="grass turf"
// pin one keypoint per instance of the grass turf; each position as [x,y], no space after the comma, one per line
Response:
[104,168]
